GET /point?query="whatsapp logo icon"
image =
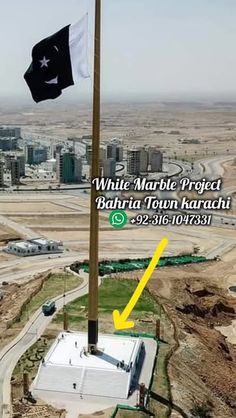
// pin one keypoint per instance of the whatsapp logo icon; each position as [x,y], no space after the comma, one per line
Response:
[118,219]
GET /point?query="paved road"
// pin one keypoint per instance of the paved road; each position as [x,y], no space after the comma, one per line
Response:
[28,336]
[213,167]
[23,268]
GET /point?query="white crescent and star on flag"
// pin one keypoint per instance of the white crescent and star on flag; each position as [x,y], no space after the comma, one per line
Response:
[44,63]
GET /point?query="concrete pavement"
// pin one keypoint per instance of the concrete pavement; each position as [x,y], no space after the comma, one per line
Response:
[23,268]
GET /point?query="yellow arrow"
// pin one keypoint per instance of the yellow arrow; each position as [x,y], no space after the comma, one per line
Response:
[120,320]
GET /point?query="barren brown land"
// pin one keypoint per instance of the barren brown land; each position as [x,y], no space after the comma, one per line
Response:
[168,125]
[202,367]
[196,298]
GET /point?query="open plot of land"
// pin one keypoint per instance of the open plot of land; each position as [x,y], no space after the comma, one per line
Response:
[7,233]
[4,258]
[37,207]
[71,226]
[229,174]
[58,221]
[161,123]
[141,241]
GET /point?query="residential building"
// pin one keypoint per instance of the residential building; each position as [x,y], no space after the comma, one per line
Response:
[119,153]
[15,172]
[102,154]
[1,173]
[8,144]
[156,161]
[143,160]
[68,168]
[89,154]
[109,168]
[36,154]
[134,161]
[10,132]
[111,151]
[8,158]
[21,159]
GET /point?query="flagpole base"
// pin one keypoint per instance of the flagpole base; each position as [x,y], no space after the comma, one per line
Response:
[92,336]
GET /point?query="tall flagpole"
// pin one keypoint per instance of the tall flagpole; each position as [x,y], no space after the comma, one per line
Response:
[95,172]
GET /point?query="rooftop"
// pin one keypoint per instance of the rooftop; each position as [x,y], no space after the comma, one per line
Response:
[70,349]
[43,241]
[68,373]
[22,244]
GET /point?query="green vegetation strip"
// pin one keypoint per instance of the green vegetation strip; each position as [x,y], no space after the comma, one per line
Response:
[108,267]
[113,294]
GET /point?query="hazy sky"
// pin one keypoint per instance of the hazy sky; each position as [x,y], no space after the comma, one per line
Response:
[150,47]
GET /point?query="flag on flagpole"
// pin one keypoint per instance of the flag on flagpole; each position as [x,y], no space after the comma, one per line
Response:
[59,61]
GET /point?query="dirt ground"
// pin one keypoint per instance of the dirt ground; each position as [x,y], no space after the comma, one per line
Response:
[229,173]
[99,414]
[40,410]
[203,367]
[196,297]
[7,234]
[165,124]
[24,207]
[56,222]
[15,297]
[229,182]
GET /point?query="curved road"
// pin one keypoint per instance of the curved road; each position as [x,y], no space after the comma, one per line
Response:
[28,336]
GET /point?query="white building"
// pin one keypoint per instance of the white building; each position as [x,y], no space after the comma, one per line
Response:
[35,246]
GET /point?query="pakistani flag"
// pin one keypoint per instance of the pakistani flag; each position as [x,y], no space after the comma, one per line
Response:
[58,62]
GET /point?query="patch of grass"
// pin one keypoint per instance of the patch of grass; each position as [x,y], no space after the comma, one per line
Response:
[55,285]
[113,294]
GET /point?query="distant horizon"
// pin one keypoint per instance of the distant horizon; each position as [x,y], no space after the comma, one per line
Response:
[223,97]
